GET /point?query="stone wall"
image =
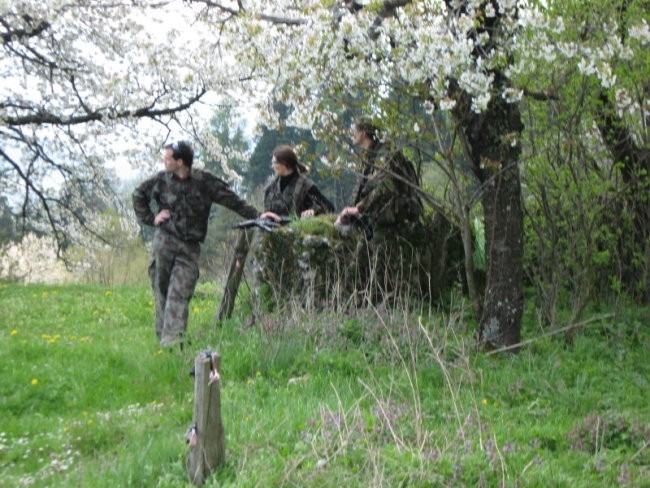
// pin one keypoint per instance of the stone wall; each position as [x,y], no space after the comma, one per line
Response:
[310,263]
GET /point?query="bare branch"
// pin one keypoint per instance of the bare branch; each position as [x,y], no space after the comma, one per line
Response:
[273,19]
[543,96]
[12,35]
[29,185]
[46,118]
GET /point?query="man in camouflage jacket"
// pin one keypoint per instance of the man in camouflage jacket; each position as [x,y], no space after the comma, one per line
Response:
[387,207]
[382,195]
[182,197]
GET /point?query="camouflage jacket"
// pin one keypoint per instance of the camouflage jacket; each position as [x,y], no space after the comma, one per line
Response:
[385,199]
[188,200]
[299,194]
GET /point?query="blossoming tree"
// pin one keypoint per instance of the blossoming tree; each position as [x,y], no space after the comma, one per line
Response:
[77,80]
[89,71]
[448,55]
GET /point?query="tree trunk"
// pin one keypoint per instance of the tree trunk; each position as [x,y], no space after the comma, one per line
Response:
[503,305]
[493,143]
[635,171]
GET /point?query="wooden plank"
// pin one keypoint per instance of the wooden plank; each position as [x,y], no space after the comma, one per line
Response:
[235,273]
[206,437]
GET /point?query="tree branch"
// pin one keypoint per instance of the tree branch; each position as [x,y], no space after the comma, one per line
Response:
[12,35]
[274,19]
[44,201]
[47,118]
[542,96]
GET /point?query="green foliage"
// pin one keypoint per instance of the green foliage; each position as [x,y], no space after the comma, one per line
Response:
[316,226]
[363,399]
[228,128]
[584,178]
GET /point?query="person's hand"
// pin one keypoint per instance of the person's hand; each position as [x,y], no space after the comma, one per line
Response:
[307,213]
[163,215]
[270,216]
[346,212]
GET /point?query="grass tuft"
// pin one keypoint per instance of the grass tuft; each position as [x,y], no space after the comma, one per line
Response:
[366,398]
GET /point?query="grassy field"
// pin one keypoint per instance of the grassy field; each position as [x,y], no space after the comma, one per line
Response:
[88,398]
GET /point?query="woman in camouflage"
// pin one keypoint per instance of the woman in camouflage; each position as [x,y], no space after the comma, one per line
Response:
[290,192]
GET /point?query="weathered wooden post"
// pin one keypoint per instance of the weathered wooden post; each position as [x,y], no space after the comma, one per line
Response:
[234,275]
[206,436]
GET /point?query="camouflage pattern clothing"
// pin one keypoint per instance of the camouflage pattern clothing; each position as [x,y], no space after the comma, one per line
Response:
[390,208]
[176,247]
[383,193]
[293,194]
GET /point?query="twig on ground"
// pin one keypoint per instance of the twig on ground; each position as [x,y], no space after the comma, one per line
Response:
[551,333]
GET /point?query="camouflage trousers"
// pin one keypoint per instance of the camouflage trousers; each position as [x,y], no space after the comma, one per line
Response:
[174,271]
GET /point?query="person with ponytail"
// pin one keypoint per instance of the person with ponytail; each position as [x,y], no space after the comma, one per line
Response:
[290,192]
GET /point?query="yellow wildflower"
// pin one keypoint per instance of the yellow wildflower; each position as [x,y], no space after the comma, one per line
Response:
[34,381]
[14,332]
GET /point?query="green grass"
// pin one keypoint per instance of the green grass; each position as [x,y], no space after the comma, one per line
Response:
[88,398]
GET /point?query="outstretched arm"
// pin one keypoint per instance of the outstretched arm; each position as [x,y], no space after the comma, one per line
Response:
[316,203]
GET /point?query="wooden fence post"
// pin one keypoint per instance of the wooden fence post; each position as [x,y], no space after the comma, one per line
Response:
[234,275]
[206,436]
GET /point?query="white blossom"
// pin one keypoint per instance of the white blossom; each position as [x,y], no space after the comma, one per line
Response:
[512,95]
[623,99]
[641,32]
[447,104]
[33,260]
